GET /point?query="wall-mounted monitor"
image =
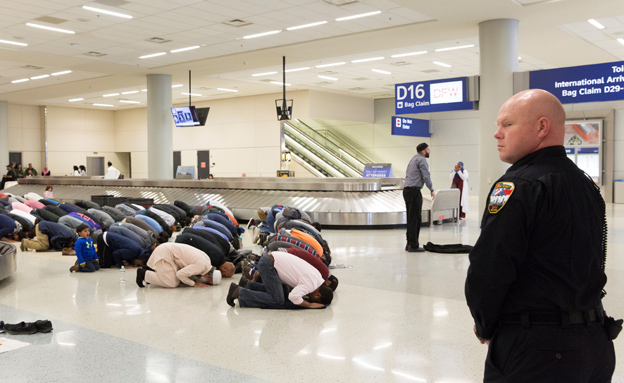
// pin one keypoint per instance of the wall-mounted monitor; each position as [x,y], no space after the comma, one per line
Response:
[202,114]
[185,116]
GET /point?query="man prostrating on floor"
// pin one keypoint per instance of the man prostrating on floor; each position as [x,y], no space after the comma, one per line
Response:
[172,263]
[286,280]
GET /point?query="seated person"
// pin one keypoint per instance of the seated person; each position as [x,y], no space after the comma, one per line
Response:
[172,263]
[216,255]
[87,260]
[286,280]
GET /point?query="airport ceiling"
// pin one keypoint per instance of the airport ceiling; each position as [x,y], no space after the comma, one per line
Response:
[211,38]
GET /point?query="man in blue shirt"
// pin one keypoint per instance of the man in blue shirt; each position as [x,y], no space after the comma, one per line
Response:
[416,176]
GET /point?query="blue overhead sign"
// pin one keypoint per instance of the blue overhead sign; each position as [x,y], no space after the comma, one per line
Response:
[431,96]
[587,83]
[405,126]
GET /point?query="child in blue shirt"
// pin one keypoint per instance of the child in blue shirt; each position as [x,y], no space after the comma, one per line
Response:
[85,251]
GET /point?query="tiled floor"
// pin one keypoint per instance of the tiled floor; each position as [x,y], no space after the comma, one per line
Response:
[396,317]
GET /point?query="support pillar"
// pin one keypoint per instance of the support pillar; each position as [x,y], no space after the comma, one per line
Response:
[4,134]
[159,127]
[498,44]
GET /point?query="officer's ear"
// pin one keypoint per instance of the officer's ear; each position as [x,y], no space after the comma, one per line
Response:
[543,126]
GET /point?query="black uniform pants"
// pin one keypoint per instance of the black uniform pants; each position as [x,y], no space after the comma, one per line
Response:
[413,207]
[576,354]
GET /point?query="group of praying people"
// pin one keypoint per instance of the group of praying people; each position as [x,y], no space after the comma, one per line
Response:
[291,271]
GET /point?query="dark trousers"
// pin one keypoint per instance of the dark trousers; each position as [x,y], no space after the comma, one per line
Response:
[270,294]
[90,266]
[576,354]
[413,207]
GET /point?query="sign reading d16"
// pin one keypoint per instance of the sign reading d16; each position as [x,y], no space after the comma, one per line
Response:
[431,96]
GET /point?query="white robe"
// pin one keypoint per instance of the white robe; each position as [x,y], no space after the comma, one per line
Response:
[464,193]
[112,173]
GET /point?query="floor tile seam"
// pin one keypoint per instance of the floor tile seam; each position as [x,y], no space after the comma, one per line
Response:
[143,344]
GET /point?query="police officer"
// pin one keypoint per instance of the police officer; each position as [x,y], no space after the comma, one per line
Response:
[536,274]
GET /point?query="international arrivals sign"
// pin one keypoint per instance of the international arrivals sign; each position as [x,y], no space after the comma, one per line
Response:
[587,83]
[431,96]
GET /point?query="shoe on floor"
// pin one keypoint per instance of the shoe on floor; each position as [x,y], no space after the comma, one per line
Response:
[415,250]
[243,282]
[230,296]
[140,277]
[74,268]
[43,325]
[21,328]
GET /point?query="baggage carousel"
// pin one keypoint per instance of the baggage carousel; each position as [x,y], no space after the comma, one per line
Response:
[363,203]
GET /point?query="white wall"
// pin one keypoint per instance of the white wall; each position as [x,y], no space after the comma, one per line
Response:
[454,138]
[242,135]
[26,134]
[74,134]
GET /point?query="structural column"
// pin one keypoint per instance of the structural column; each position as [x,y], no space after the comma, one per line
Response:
[159,127]
[4,134]
[498,44]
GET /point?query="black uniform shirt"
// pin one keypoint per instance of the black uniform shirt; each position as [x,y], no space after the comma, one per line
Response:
[540,247]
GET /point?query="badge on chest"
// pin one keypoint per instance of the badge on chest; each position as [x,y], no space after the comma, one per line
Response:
[500,195]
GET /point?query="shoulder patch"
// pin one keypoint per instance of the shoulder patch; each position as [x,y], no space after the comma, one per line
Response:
[500,195]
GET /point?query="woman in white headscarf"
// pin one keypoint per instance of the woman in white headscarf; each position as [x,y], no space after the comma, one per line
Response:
[459,177]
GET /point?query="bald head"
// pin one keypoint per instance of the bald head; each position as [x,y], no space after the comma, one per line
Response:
[529,121]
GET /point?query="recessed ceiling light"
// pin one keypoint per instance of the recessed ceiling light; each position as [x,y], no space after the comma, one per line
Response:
[453,48]
[519,58]
[76,99]
[40,77]
[381,71]
[369,59]
[185,49]
[143,90]
[20,80]
[358,16]
[263,74]
[108,105]
[279,83]
[13,43]
[130,92]
[50,28]
[596,24]
[621,41]
[110,95]
[227,90]
[261,34]
[177,85]
[61,73]
[104,11]
[130,102]
[442,64]
[297,69]
[328,65]
[306,25]
[409,54]
[328,78]
[192,94]
[153,55]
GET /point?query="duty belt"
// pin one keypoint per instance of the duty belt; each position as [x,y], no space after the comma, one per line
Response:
[563,318]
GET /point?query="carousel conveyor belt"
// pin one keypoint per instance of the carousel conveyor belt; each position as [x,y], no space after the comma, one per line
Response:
[334,202]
